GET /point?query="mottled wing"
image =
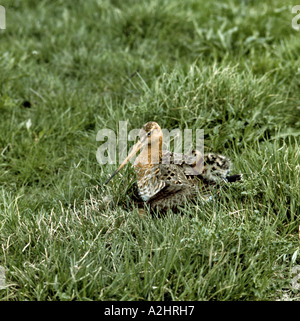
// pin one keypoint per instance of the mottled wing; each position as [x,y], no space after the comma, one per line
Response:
[172,180]
[192,163]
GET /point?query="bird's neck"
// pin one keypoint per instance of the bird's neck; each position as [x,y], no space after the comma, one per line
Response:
[151,154]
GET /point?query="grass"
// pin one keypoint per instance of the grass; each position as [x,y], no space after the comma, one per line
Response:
[67,71]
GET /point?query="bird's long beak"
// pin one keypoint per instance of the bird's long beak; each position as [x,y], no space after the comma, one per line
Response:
[135,149]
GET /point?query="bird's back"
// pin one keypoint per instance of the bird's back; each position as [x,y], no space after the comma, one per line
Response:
[170,183]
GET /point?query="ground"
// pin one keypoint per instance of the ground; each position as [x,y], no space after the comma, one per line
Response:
[69,70]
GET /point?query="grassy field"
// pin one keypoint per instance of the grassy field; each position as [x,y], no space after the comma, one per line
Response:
[68,70]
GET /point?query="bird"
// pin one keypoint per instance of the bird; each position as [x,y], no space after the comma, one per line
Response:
[166,180]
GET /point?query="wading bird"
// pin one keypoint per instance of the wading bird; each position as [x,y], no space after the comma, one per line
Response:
[165,180]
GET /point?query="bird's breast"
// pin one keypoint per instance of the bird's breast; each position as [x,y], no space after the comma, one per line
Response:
[148,180]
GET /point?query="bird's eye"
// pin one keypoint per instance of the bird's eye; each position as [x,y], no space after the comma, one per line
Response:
[149,134]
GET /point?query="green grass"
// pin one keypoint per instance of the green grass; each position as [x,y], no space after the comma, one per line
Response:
[228,67]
